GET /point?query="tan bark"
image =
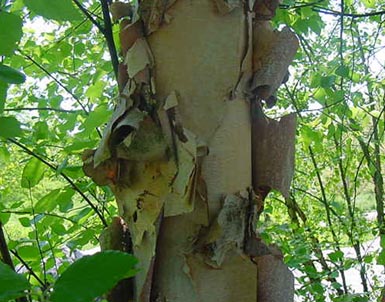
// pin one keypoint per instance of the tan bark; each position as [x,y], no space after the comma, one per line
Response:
[186,156]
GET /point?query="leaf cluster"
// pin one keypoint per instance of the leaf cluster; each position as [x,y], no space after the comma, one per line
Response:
[56,87]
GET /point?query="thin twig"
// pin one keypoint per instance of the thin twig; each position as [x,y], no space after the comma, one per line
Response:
[29,269]
[300,5]
[40,109]
[109,37]
[47,214]
[69,180]
[56,81]
[326,11]
[328,216]
[37,238]
[89,16]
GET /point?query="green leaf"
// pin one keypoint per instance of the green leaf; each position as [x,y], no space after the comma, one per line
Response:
[82,239]
[342,71]
[316,26]
[95,91]
[381,258]
[3,95]
[318,288]
[83,215]
[369,3]
[310,270]
[310,136]
[96,118]
[12,285]
[359,298]
[32,174]
[29,252]
[334,274]
[320,95]
[10,75]
[9,127]
[62,10]
[356,77]
[10,32]
[327,82]
[17,5]
[41,130]
[62,166]
[306,12]
[59,229]
[4,155]
[315,80]
[48,202]
[382,242]
[116,35]
[79,146]
[336,95]
[25,222]
[92,276]
[368,258]
[335,256]
[4,217]
[73,172]
[336,285]
[65,200]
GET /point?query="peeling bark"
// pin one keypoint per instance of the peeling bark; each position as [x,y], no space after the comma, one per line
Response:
[273,152]
[183,151]
[275,279]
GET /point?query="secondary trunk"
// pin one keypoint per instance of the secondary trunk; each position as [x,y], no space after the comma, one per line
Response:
[190,154]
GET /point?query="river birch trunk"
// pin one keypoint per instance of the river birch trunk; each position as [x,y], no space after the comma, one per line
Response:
[189,153]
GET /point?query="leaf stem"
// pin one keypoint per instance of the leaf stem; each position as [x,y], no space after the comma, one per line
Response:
[40,109]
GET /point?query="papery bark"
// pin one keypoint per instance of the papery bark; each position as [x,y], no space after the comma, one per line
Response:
[188,155]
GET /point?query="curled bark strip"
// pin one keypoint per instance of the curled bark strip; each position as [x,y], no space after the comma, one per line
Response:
[154,13]
[226,6]
[273,151]
[273,52]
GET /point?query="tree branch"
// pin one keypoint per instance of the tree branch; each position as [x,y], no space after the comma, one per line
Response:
[106,30]
[109,37]
[300,5]
[326,11]
[89,16]
[40,109]
[47,214]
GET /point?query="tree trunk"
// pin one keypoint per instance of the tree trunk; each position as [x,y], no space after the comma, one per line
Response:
[189,152]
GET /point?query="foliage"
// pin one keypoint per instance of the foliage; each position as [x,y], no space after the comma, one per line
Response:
[12,285]
[92,276]
[56,93]
[83,281]
[337,92]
